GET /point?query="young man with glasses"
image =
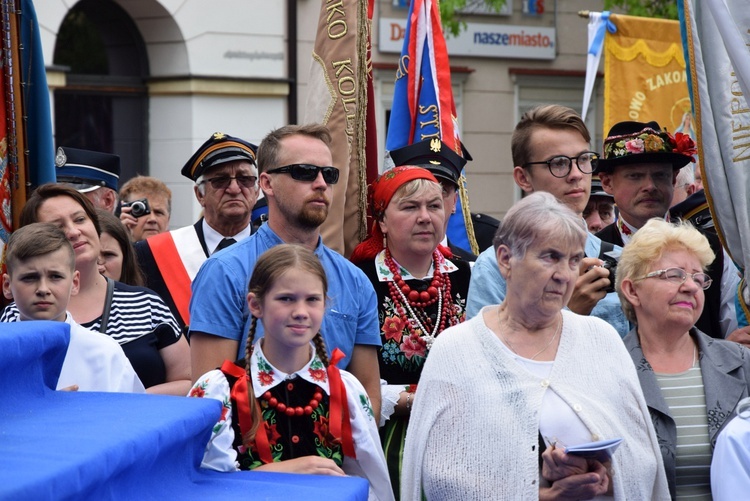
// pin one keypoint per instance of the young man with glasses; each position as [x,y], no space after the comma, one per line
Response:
[297,179]
[226,186]
[639,168]
[551,152]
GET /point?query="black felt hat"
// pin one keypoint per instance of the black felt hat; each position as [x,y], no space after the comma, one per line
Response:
[87,170]
[219,149]
[435,156]
[596,188]
[630,143]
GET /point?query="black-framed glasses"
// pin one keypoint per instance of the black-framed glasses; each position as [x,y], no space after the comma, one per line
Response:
[678,276]
[560,165]
[223,182]
[307,172]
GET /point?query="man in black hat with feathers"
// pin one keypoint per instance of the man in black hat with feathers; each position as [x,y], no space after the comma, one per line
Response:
[639,167]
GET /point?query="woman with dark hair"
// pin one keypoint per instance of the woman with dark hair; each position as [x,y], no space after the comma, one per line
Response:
[117,255]
[134,316]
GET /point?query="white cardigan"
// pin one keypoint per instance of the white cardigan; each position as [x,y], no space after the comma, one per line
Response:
[474,428]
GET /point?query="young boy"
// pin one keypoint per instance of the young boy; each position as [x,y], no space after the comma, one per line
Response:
[41,278]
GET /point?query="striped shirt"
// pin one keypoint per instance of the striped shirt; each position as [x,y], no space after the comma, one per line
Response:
[141,322]
[685,396]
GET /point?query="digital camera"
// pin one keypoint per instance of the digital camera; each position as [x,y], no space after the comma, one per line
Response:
[138,208]
[611,265]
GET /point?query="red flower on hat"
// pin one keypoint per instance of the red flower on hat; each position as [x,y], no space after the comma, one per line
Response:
[684,144]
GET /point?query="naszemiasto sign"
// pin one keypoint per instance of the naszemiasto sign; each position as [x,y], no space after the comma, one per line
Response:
[481,40]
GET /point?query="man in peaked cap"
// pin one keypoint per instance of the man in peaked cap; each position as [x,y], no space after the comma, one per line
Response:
[446,165]
[92,173]
[226,185]
[600,210]
[639,169]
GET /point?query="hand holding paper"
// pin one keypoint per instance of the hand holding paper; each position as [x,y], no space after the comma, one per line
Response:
[601,451]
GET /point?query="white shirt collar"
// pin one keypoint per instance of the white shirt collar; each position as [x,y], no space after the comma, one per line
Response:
[385,275]
[213,238]
[266,376]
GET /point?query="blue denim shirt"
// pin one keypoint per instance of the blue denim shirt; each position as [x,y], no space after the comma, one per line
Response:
[219,307]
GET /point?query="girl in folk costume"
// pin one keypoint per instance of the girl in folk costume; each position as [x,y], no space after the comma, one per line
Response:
[286,408]
[421,290]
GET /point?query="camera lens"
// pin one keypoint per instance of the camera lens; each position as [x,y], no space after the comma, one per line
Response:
[138,209]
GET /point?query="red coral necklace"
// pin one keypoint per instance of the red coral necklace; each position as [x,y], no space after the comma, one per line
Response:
[299,410]
[421,327]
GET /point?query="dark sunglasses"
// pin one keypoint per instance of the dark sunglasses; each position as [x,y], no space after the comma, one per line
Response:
[307,172]
[223,182]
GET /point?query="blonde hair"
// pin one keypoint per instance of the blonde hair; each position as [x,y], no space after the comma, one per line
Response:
[649,244]
[415,188]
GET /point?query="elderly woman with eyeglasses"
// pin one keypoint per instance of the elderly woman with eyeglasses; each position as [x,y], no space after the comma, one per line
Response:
[692,382]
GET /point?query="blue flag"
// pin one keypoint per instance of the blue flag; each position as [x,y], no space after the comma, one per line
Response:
[36,105]
[423,105]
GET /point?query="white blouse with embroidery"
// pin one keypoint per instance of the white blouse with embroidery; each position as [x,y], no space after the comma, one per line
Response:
[370,462]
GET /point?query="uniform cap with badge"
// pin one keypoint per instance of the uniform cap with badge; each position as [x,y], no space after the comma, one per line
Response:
[87,170]
[219,149]
[435,156]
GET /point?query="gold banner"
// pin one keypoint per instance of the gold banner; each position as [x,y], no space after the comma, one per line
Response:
[337,98]
[644,75]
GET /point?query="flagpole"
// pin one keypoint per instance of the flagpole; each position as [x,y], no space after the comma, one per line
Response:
[16,164]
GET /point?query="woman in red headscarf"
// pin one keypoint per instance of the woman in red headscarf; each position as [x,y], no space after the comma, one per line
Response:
[421,290]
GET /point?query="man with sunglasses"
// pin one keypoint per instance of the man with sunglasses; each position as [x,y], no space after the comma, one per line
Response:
[551,152]
[226,185]
[297,179]
[639,169]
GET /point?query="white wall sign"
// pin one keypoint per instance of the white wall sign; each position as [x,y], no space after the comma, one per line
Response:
[480,40]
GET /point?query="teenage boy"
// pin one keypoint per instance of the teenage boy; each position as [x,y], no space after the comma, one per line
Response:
[41,278]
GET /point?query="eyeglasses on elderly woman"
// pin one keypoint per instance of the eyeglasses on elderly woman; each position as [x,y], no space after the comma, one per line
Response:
[678,276]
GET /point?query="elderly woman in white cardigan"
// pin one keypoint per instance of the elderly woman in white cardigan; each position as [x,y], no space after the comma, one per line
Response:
[527,369]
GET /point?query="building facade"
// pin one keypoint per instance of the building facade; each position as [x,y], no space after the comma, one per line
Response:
[150,80]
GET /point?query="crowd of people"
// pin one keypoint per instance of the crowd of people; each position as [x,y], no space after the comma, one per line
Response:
[592,350]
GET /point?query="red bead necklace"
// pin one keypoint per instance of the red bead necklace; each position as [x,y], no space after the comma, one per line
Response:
[299,410]
[419,324]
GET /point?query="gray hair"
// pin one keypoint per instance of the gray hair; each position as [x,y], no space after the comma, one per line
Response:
[685,176]
[538,215]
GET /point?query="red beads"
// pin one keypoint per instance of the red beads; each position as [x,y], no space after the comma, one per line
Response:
[293,411]
[417,321]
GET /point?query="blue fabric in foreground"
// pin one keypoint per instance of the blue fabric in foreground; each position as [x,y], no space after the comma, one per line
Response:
[63,445]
